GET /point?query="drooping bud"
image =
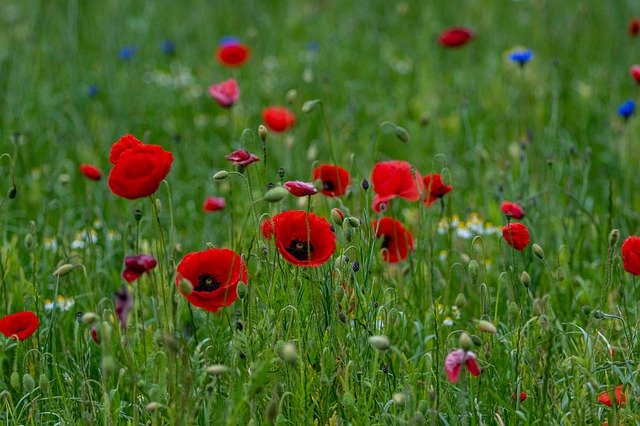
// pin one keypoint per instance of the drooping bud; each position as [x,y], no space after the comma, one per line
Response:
[241,290]
[262,132]
[153,407]
[13,192]
[525,279]
[474,271]
[598,314]
[461,301]
[476,340]
[43,382]
[487,327]
[186,287]
[560,274]
[537,250]
[380,342]
[28,384]
[217,369]
[289,354]
[309,106]
[402,134]
[29,242]
[337,216]
[465,341]
[89,318]
[64,269]
[276,194]
[221,175]
[354,222]
[614,236]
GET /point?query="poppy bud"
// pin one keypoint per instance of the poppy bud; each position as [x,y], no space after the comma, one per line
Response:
[275,194]
[348,400]
[28,383]
[354,222]
[15,380]
[365,184]
[543,320]
[560,274]
[281,172]
[289,354]
[355,266]
[221,175]
[309,106]
[476,340]
[64,179]
[241,290]
[614,235]
[460,301]
[262,132]
[271,410]
[525,279]
[337,216]
[137,215]
[402,134]
[380,342]
[64,269]
[598,314]
[487,327]
[43,382]
[537,250]
[153,406]
[398,398]
[89,318]
[186,287]
[217,369]
[465,341]
[13,192]
[28,241]
[513,311]
[474,271]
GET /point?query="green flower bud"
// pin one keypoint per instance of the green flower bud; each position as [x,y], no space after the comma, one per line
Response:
[560,274]
[43,382]
[402,134]
[13,192]
[186,287]
[15,380]
[64,269]
[309,106]
[460,301]
[380,342]
[137,215]
[476,340]
[289,354]
[614,236]
[221,175]
[474,271]
[337,216]
[487,327]
[465,341]
[217,369]
[241,290]
[275,194]
[525,279]
[537,250]
[28,384]
[354,222]
[262,132]
[108,364]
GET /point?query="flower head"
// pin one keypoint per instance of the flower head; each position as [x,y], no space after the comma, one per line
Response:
[516,235]
[512,210]
[455,37]
[240,157]
[634,27]
[335,179]
[266,228]
[619,396]
[134,266]
[521,57]
[124,304]
[278,119]
[397,241]
[434,188]
[20,325]
[631,255]
[214,275]
[232,53]
[457,359]
[627,109]
[225,93]
[213,204]
[300,189]
[635,73]
[392,179]
[302,238]
[90,171]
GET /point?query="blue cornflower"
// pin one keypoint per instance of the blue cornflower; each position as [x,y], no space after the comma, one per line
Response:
[127,52]
[92,90]
[521,57]
[168,47]
[627,109]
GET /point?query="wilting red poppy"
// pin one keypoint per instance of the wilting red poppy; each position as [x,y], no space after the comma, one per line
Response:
[635,73]
[90,171]
[434,188]
[455,36]
[20,325]
[303,239]
[397,241]
[214,275]
[631,255]
[137,169]
[267,228]
[457,359]
[278,119]
[213,204]
[240,157]
[619,395]
[225,93]
[335,179]
[516,235]
[300,189]
[394,179]
[634,27]
[134,266]
[512,210]
[232,53]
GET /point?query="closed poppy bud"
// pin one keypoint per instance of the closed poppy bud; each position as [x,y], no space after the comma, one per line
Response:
[28,384]
[525,279]
[474,271]
[262,132]
[217,369]
[487,327]
[241,290]
[64,269]
[153,407]
[186,287]
[221,175]
[43,382]
[560,274]
[275,194]
[537,250]
[614,236]
[465,341]
[402,134]
[13,192]
[289,354]
[309,106]
[460,301]
[108,364]
[380,342]
[89,318]
[15,380]
[353,222]
[337,216]
[476,340]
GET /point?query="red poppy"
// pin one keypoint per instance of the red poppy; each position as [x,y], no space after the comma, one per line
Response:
[619,395]
[267,228]
[523,396]
[457,359]
[634,27]
[214,275]
[516,235]
[394,179]
[631,255]
[302,238]
[94,335]
[213,204]
[225,93]
[300,189]
[397,241]
[90,171]
[455,36]
[635,73]
[134,266]
[278,119]
[233,54]
[20,325]
[137,169]
[512,210]
[240,157]
[434,188]
[335,179]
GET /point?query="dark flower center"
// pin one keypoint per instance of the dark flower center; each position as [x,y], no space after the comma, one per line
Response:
[207,282]
[386,241]
[301,250]
[327,185]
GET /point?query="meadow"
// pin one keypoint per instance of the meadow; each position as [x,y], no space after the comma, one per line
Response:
[280,212]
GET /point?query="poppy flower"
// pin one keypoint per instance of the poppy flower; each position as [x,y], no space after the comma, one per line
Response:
[94,335]
[523,396]
[137,169]
[394,179]
[232,53]
[457,359]
[300,189]
[434,188]
[213,204]
[303,239]
[455,37]
[134,266]
[266,228]
[512,210]
[214,275]
[124,304]
[225,93]
[90,171]
[278,119]
[631,255]
[635,73]
[627,109]
[516,235]
[240,157]
[397,241]
[521,57]
[335,179]
[634,27]
[619,395]
[20,325]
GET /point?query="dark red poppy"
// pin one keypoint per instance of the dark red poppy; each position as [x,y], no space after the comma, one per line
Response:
[267,228]
[278,119]
[300,189]
[137,169]
[512,210]
[434,188]
[394,179]
[240,157]
[233,54]
[619,395]
[20,325]
[631,255]
[516,235]
[213,204]
[90,171]
[134,266]
[214,275]
[397,241]
[634,27]
[455,36]
[302,238]
[635,73]
[335,179]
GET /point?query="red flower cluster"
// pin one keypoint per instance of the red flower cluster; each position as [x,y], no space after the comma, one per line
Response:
[516,235]
[20,325]
[90,171]
[278,119]
[214,275]
[232,53]
[335,179]
[303,239]
[134,266]
[397,241]
[455,37]
[631,255]
[138,169]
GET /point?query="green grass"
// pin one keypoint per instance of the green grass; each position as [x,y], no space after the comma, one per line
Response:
[468,112]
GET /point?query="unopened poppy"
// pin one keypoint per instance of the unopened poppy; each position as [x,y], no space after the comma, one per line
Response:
[226,93]
[619,395]
[137,169]
[134,266]
[20,325]
[278,119]
[635,73]
[634,27]
[303,239]
[241,157]
[397,241]
[213,204]
[392,179]
[455,37]
[300,189]
[232,53]
[434,188]
[631,255]
[456,359]
[214,275]
[335,179]
[512,210]
[516,235]
[90,171]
